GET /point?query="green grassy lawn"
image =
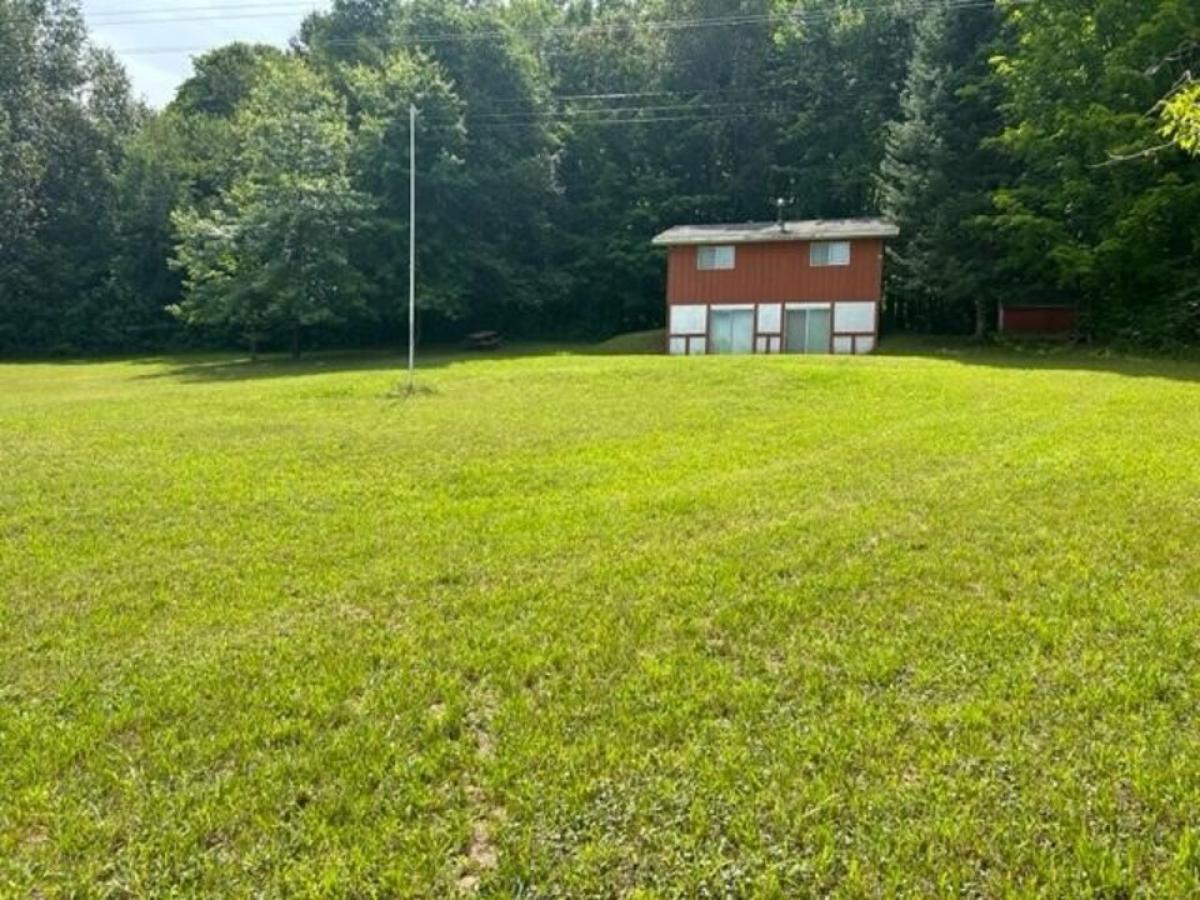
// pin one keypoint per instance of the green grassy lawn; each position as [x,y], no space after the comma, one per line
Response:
[569,624]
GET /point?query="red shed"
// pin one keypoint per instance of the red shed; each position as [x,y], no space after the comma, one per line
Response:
[790,287]
[1038,320]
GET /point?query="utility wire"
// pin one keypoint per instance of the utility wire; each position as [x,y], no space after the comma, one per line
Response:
[638,120]
[500,32]
[586,114]
[815,13]
[753,99]
[797,17]
[178,20]
[633,95]
[237,10]
[204,7]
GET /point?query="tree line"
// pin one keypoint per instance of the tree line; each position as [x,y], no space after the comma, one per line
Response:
[1030,151]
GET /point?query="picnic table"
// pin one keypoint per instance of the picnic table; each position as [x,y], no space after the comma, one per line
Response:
[483,340]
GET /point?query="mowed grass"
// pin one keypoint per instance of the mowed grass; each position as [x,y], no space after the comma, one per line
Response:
[581,625]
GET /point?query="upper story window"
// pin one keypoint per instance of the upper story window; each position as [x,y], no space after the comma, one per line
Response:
[829,253]
[709,258]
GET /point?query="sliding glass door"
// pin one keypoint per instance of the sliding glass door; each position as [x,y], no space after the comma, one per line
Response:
[731,331]
[807,330]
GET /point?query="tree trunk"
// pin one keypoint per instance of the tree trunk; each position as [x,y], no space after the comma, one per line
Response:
[253,348]
[295,342]
[980,320]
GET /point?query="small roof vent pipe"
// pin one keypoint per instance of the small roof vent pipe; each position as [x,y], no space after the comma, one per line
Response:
[779,205]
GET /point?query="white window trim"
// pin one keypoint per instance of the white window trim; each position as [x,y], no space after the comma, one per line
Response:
[716,250]
[847,312]
[688,318]
[812,254]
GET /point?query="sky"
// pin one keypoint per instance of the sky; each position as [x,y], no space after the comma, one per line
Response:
[156,39]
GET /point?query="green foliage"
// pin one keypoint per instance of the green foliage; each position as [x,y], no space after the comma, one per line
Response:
[65,110]
[379,101]
[614,188]
[1099,212]
[223,79]
[509,167]
[841,70]
[938,173]
[273,252]
[1181,118]
[149,185]
[1034,151]
[792,627]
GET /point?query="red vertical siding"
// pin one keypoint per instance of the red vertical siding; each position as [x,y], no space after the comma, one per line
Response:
[1039,320]
[776,272]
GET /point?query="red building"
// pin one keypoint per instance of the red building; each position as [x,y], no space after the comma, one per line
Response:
[791,287]
[1038,320]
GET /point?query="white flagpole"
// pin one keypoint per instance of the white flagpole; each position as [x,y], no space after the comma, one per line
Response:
[412,247]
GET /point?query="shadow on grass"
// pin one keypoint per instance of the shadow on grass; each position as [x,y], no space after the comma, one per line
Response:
[216,367]
[1044,356]
[1041,357]
[224,367]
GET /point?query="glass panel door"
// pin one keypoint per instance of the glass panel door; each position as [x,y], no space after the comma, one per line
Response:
[807,330]
[795,326]
[743,331]
[720,332]
[731,331]
[819,331]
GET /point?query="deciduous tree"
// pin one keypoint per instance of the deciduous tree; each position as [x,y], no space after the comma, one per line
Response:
[65,111]
[273,253]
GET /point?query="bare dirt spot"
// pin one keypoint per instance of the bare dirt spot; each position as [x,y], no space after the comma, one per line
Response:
[468,884]
[483,851]
[481,854]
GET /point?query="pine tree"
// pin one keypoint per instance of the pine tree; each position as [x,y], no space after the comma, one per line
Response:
[938,173]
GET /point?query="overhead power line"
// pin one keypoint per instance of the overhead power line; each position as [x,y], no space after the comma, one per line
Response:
[667,93]
[178,20]
[279,8]
[588,113]
[797,17]
[167,15]
[634,120]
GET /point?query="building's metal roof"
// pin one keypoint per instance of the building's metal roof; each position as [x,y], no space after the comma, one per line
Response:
[769,232]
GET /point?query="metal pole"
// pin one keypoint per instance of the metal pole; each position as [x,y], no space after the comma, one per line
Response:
[412,247]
